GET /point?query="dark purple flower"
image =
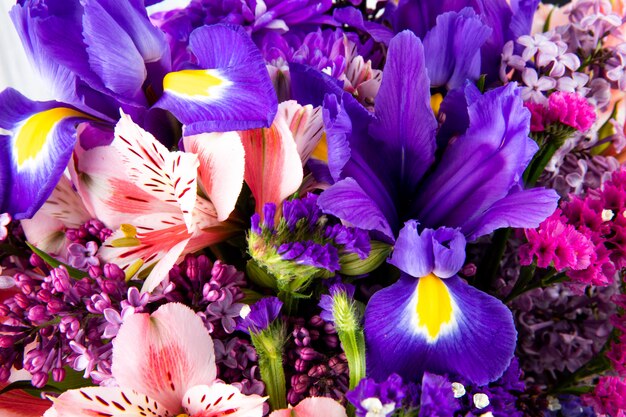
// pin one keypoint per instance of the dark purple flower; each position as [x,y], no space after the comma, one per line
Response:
[474,185]
[464,332]
[261,315]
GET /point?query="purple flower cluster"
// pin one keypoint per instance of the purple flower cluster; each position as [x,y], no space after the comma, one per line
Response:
[315,364]
[56,321]
[303,236]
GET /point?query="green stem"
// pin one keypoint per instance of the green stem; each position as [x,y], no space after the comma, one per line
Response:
[273,376]
[269,346]
[353,344]
[489,269]
[539,162]
[551,278]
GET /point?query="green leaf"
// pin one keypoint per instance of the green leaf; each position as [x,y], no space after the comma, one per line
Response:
[73,272]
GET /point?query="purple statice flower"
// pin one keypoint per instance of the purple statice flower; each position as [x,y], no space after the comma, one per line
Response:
[261,315]
[303,243]
[327,300]
[558,244]
[437,397]
[311,253]
[609,396]
[500,397]
[568,405]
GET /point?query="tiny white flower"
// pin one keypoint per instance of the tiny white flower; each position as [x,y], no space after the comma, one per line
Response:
[375,408]
[553,404]
[607,215]
[535,86]
[245,310]
[458,389]
[480,400]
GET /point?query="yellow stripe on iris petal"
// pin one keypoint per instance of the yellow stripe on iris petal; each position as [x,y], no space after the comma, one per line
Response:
[193,82]
[321,150]
[434,305]
[33,134]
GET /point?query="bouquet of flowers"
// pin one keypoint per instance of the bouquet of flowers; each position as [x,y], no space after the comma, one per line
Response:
[298,208]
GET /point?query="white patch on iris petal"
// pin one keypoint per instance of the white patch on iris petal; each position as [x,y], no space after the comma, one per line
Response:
[421,330]
[487,414]
[607,215]
[375,407]
[458,389]
[480,400]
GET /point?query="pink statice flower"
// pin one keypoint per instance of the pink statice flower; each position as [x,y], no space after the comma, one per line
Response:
[164,367]
[609,397]
[567,108]
[571,109]
[558,244]
[538,119]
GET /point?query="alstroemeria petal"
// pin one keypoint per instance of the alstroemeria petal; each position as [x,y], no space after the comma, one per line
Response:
[452,48]
[306,125]
[17,403]
[440,326]
[273,166]
[231,88]
[159,357]
[222,164]
[39,148]
[404,118]
[106,401]
[64,208]
[313,407]
[221,399]
[347,201]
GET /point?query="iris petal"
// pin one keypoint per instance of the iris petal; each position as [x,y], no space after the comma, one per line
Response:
[38,149]
[230,88]
[465,332]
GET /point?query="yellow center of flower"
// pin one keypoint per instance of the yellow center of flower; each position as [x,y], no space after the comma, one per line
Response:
[34,133]
[434,305]
[192,82]
[435,102]
[321,150]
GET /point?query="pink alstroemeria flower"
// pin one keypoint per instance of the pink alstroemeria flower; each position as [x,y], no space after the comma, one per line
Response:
[164,364]
[313,407]
[149,194]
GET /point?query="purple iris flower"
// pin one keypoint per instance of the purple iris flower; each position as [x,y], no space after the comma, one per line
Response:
[431,320]
[389,167]
[508,20]
[102,55]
